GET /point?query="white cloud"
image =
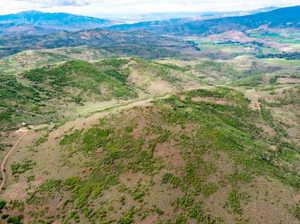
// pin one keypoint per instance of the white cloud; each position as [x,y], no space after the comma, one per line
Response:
[114,7]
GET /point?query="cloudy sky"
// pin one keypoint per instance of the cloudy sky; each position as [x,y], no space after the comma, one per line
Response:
[116,7]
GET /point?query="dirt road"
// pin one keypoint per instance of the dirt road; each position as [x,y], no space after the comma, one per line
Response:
[23,132]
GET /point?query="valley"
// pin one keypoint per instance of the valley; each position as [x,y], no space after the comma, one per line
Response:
[151,123]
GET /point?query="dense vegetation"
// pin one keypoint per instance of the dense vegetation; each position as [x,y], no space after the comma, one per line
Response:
[46,93]
[287,55]
[41,94]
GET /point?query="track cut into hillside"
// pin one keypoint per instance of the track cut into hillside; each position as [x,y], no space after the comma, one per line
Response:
[6,158]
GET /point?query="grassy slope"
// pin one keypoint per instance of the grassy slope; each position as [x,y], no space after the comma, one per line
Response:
[37,58]
[196,157]
[42,94]
[45,94]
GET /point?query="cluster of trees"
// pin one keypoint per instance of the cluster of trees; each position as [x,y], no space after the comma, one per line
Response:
[288,56]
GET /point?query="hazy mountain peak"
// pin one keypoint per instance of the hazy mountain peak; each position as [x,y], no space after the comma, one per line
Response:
[38,22]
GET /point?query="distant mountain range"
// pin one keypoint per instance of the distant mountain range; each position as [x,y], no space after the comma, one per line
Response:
[36,22]
[40,23]
[38,30]
[279,18]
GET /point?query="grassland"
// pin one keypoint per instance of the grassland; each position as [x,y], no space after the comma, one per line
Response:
[35,96]
[229,48]
[266,43]
[284,61]
[31,59]
[47,94]
[54,91]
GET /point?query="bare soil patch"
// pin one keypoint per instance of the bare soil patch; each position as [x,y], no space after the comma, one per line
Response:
[288,80]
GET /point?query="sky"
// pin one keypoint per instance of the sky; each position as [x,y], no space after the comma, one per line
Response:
[104,8]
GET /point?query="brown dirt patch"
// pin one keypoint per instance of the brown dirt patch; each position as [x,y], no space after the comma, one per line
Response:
[211,100]
[160,87]
[254,97]
[215,204]
[232,36]
[288,80]
[170,155]
[150,219]
[269,202]
[132,179]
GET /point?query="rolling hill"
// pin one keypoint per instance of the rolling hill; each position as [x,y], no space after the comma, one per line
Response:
[53,91]
[31,59]
[57,82]
[43,94]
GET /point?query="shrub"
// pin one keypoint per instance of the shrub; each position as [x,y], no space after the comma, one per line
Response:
[2,204]
[15,219]
[20,168]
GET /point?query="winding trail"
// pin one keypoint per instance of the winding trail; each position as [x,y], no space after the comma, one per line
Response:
[5,159]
